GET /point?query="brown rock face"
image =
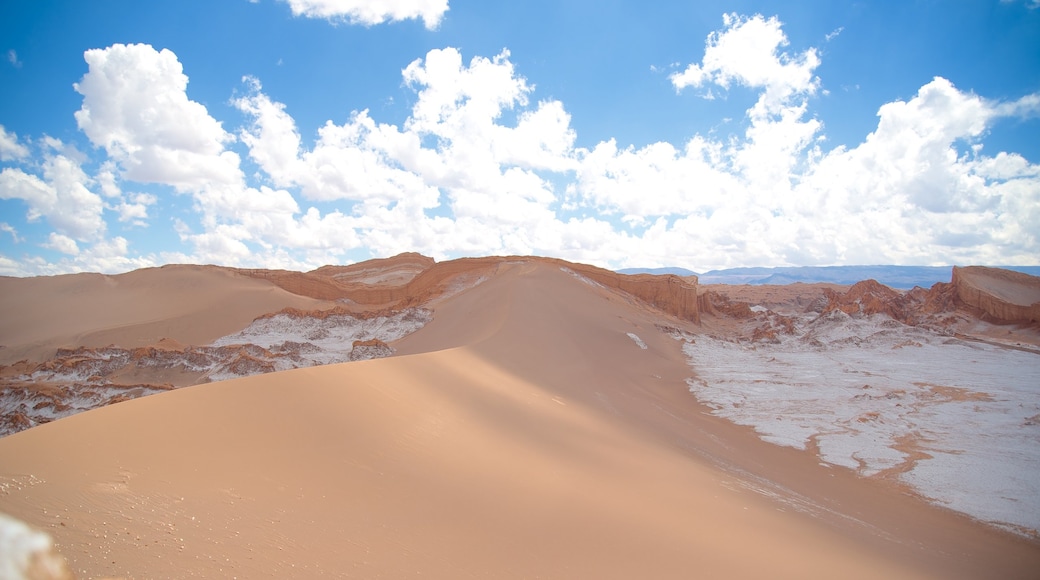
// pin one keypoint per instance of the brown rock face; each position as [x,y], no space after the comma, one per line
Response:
[716,304]
[1003,295]
[672,294]
[411,280]
[866,298]
[669,293]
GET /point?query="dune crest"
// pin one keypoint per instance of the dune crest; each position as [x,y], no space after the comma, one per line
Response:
[538,422]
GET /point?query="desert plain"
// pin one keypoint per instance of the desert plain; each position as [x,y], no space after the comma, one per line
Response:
[521,417]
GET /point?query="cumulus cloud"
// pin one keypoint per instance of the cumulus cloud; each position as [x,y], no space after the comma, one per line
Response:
[135,208]
[62,197]
[452,151]
[107,255]
[8,228]
[919,189]
[920,185]
[372,12]
[10,148]
[748,53]
[135,106]
[63,244]
[481,166]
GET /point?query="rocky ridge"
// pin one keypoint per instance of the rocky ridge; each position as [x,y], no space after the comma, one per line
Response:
[380,301]
[375,303]
[977,301]
[934,389]
[83,378]
[1002,295]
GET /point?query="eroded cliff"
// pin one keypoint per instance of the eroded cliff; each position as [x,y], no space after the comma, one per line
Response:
[1003,295]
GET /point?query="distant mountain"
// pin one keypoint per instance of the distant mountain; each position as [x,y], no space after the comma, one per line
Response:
[902,277]
[659,271]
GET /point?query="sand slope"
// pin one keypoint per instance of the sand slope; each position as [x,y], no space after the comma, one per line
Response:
[190,304]
[524,432]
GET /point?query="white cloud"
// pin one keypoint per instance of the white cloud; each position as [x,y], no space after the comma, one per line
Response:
[747,52]
[8,228]
[12,57]
[109,255]
[456,178]
[63,244]
[479,166]
[451,149]
[108,181]
[1031,4]
[908,194]
[372,12]
[62,197]
[135,209]
[10,148]
[136,108]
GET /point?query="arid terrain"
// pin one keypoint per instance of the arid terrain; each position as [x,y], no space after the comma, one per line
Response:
[521,417]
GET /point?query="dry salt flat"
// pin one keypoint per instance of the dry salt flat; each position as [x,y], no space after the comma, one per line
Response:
[957,420]
[276,343]
[326,340]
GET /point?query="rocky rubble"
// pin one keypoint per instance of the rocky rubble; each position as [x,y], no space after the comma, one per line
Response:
[79,379]
[941,308]
[411,280]
[934,388]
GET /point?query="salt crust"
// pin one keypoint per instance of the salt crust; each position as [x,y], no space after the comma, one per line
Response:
[280,342]
[957,420]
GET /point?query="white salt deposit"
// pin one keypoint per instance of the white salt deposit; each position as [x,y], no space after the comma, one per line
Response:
[281,342]
[319,341]
[639,342]
[957,420]
[588,281]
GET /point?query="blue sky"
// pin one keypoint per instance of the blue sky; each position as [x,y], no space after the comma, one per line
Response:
[296,133]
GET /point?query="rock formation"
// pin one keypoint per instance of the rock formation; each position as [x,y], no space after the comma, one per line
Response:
[1003,295]
[411,280]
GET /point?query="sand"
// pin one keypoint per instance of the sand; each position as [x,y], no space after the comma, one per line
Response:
[524,432]
[189,304]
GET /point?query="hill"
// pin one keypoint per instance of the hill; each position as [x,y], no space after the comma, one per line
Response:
[901,277]
[538,422]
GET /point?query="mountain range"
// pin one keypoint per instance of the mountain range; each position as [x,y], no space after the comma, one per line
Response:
[901,277]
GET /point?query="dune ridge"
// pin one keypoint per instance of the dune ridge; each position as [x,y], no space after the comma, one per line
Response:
[540,423]
[413,280]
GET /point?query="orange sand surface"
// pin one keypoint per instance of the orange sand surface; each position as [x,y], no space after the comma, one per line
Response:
[522,433]
[190,304]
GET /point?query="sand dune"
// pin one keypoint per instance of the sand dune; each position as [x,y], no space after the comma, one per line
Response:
[523,432]
[190,304]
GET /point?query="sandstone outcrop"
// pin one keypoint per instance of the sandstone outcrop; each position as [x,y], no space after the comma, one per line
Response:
[1003,295]
[972,304]
[866,298]
[669,293]
[411,280]
[715,304]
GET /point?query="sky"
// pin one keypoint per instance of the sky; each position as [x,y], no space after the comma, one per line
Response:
[703,135]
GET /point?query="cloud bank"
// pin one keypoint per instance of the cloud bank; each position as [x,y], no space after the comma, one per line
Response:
[371,12]
[481,167]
